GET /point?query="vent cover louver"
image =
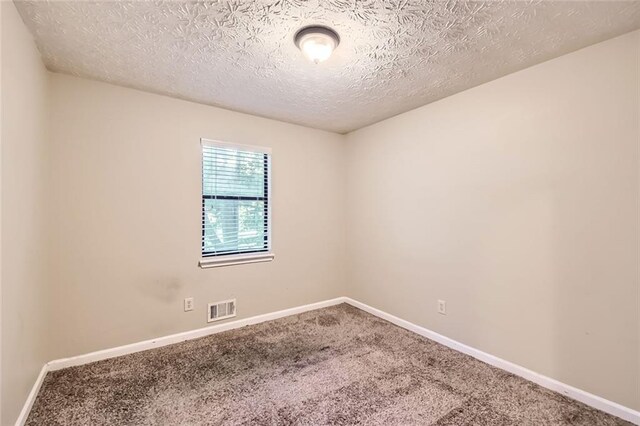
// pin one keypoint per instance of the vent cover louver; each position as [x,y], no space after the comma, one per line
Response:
[221,310]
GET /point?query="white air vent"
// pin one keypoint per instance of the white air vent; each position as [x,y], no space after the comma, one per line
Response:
[221,310]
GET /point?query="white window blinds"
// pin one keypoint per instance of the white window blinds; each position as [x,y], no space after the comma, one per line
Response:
[235,199]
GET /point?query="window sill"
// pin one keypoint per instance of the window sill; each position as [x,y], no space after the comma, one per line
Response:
[240,259]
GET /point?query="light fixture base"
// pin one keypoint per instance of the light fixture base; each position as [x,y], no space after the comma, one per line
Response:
[315,29]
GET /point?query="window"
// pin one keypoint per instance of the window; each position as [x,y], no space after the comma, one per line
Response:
[235,204]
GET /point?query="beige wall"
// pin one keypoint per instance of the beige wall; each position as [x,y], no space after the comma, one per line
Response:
[24,213]
[1,136]
[517,203]
[125,214]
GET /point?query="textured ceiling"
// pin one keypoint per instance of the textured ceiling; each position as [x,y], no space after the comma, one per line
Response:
[394,55]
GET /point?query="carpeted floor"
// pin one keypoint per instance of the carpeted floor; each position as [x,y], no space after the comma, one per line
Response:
[337,365]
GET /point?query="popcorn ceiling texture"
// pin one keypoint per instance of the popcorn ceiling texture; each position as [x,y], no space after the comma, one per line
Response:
[394,55]
[337,365]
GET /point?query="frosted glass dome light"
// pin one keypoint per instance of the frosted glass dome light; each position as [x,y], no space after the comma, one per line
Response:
[317,43]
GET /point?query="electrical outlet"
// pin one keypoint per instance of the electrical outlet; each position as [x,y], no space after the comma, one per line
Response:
[442,307]
[188,304]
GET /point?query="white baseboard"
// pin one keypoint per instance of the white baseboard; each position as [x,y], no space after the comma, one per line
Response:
[587,398]
[31,398]
[187,335]
[547,382]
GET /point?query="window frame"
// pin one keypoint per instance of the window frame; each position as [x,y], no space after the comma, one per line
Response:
[212,260]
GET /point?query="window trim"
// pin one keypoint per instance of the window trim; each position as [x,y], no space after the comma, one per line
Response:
[266,255]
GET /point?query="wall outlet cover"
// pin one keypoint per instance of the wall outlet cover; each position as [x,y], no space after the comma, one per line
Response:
[188,304]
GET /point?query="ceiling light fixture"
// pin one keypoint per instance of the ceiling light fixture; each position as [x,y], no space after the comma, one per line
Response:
[317,42]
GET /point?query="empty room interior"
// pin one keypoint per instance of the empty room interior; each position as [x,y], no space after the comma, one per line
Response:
[341,212]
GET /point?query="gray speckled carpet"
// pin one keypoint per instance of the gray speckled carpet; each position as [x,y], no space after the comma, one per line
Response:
[337,365]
